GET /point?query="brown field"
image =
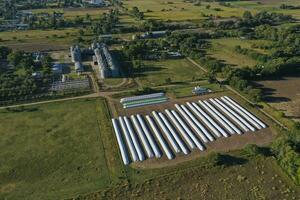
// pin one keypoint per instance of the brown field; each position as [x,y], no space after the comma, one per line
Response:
[284,95]
[262,137]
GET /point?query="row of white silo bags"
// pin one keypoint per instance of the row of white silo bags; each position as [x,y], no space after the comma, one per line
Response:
[191,123]
[227,124]
[231,115]
[258,121]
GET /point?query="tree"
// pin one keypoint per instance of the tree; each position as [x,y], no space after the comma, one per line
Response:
[247,15]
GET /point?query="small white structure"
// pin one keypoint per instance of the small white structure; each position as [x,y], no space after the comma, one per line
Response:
[200,90]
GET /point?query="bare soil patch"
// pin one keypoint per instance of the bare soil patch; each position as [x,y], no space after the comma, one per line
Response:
[283,94]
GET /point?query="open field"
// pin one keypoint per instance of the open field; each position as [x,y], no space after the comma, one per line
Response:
[223,49]
[242,178]
[269,5]
[54,151]
[39,40]
[283,94]
[181,11]
[155,73]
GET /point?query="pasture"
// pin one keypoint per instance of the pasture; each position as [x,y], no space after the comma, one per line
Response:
[55,150]
[281,98]
[164,72]
[223,49]
[181,11]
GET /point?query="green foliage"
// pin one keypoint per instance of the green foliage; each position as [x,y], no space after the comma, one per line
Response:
[251,150]
[286,149]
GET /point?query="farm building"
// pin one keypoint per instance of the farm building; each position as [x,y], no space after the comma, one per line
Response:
[105,62]
[153,34]
[57,68]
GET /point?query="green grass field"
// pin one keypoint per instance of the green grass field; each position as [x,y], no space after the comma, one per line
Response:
[55,151]
[179,10]
[71,13]
[268,5]
[155,73]
[240,178]
[223,49]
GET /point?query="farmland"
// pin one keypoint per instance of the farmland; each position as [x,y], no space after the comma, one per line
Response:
[45,153]
[281,98]
[93,162]
[195,62]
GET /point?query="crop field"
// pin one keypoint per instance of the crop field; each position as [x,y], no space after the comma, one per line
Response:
[181,11]
[47,154]
[281,98]
[223,49]
[155,73]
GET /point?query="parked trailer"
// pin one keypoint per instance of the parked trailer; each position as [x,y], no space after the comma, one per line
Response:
[120,141]
[246,112]
[149,137]
[220,129]
[219,114]
[181,130]
[174,134]
[192,123]
[167,132]
[241,113]
[236,115]
[142,136]
[204,120]
[187,129]
[235,119]
[160,138]
[135,140]
[128,140]
[203,129]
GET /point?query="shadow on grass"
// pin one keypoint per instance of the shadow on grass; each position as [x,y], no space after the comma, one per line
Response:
[21,109]
[228,160]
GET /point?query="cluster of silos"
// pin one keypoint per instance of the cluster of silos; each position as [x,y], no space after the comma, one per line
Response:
[180,131]
[104,60]
[76,58]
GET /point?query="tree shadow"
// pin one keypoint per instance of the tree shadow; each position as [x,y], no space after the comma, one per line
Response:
[228,160]
[22,109]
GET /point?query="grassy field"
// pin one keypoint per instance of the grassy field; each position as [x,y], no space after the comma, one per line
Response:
[223,49]
[268,5]
[238,178]
[186,91]
[71,13]
[39,40]
[181,11]
[155,73]
[281,98]
[54,151]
